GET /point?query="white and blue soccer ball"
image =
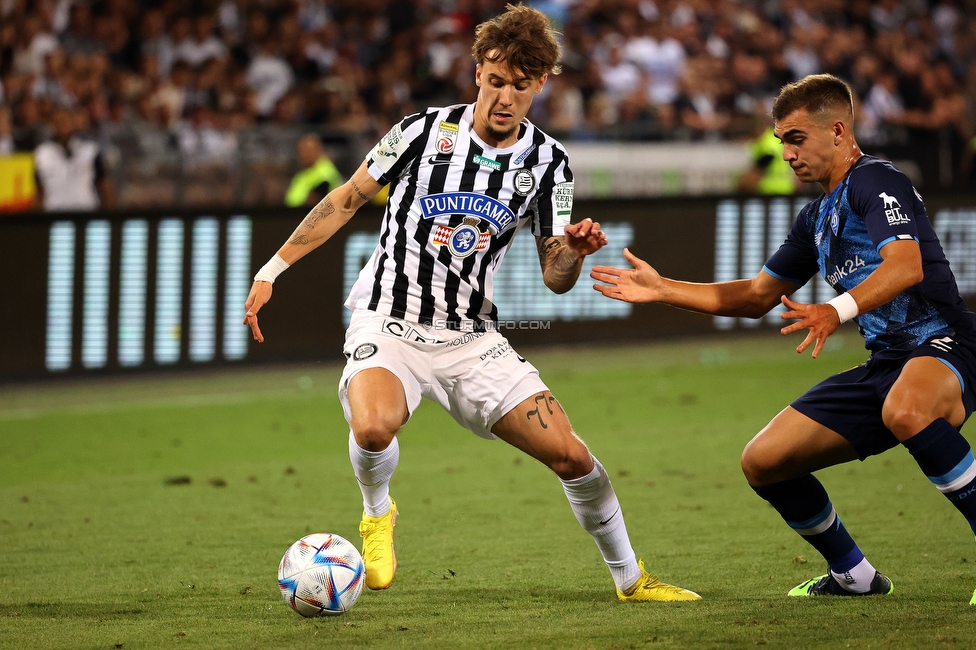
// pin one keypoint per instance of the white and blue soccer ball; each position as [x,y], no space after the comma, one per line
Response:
[321,575]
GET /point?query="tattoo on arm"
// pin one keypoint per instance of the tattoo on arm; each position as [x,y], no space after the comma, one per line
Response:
[560,266]
[358,191]
[323,209]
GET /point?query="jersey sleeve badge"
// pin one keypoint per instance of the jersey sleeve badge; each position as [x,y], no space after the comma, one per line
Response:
[892,210]
[388,150]
[562,203]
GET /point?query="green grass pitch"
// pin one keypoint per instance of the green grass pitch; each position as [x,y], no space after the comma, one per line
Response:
[152,513]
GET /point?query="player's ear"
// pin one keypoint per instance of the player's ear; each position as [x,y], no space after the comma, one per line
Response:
[477,75]
[840,130]
[542,82]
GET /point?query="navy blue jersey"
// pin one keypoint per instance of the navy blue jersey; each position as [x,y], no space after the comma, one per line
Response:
[839,236]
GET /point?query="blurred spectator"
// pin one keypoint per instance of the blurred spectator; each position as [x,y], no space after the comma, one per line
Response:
[318,176]
[769,174]
[35,43]
[269,75]
[201,45]
[6,132]
[70,171]
[78,38]
[203,141]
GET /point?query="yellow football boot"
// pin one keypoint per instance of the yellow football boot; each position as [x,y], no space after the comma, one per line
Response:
[648,587]
[378,555]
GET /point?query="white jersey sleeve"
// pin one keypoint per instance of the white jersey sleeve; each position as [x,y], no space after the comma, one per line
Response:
[392,155]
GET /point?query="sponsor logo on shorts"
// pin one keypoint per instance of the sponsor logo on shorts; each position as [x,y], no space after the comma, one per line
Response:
[404,331]
[945,343]
[364,351]
[497,351]
[466,338]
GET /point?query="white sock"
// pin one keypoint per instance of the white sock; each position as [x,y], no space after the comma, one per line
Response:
[373,470]
[858,579]
[596,508]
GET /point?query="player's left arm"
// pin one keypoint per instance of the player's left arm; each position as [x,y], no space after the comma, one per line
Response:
[561,256]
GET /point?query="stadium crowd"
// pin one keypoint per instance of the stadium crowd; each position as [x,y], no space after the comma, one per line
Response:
[189,77]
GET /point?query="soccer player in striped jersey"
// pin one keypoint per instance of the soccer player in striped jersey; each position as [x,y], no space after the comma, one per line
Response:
[463,180]
[870,238]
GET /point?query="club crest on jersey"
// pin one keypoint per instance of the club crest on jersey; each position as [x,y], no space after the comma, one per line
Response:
[892,210]
[835,222]
[446,137]
[524,182]
[462,240]
[498,215]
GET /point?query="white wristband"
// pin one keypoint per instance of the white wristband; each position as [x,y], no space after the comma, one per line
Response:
[845,306]
[271,270]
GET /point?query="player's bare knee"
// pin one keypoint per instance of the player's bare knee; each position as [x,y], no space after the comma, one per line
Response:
[905,419]
[375,433]
[573,463]
[759,468]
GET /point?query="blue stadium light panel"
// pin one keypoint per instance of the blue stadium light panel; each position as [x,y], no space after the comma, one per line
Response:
[237,284]
[169,291]
[203,289]
[94,323]
[60,295]
[132,293]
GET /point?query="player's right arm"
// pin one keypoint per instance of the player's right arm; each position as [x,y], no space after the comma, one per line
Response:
[749,298]
[316,228]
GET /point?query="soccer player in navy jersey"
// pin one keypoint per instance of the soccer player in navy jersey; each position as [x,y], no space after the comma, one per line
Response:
[868,235]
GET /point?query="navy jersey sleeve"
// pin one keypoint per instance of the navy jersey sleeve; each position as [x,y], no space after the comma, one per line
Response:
[885,199]
[796,259]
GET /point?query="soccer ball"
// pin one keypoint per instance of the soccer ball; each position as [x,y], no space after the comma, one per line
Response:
[321,575]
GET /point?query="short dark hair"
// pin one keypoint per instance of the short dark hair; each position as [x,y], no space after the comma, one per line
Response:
[817,94]
[522,37]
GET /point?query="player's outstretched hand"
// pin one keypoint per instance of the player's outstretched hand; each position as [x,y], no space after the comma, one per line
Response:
[639,284]
[585,238]
[259,296]
[821,320]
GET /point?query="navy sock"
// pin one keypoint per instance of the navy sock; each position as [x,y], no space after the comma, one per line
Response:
[804,504]
[947,459]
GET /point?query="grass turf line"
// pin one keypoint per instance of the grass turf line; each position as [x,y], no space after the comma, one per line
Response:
[98,550]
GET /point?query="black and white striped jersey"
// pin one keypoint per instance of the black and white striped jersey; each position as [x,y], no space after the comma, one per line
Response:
[454,207]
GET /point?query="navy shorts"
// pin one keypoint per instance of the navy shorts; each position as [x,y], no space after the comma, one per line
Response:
[850,402]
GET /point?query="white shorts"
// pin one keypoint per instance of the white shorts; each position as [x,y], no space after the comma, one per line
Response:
[476,376]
